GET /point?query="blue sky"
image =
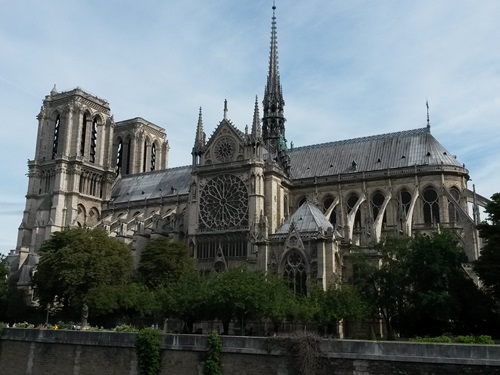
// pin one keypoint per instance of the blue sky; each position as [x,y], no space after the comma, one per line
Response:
[349,68]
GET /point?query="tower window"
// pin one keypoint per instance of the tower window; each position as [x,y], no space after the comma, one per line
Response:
[83,136]
[93,141]
[119,157]
[144,156]
[55,143]
[153,157]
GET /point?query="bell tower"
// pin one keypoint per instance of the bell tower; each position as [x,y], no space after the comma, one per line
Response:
[72,172]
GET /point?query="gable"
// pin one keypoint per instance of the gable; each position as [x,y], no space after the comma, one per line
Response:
[224,146]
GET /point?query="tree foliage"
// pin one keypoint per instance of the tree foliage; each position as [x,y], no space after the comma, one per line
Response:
[73,262]
[163,260]
[420,288]
[237,294]
[340,301]
[488,264]
[186,297]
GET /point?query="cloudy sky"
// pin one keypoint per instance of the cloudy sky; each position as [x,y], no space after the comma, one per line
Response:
[349,68]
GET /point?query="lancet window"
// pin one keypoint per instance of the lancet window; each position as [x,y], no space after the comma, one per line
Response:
[453,215]
[93,141]
[351,202]
[83,136]
[295,272]
[153,157]
[326,205]
[55,143]
[431,206]
[377,203]
[119,157]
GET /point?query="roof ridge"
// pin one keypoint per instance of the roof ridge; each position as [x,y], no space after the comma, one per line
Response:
[157,171]
[361,139]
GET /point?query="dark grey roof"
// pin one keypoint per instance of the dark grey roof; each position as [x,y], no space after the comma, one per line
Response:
[152,185]
[307,218]
[378,152]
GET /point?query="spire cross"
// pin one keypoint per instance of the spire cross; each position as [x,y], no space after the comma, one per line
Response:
[428,118]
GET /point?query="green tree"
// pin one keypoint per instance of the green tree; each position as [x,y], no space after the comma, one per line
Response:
[163,260]
[186,297]
[124,302]
[487,265]
[420,288]
[237,294]
[434,270]
[279,301]
[4,274]
[4,286]
[338,302]
[73,262]
[383,279]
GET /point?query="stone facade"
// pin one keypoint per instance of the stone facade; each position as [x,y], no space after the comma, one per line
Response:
[247,197]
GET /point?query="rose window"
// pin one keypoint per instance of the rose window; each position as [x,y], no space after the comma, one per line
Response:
[224,149]
[224,203]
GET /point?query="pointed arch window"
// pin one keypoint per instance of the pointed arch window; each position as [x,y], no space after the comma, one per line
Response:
[351,203]
[119,157]
[129,148]
[404,201]
[93,142]
[431,206]
[453,215]
[295,273]
[377,203]
[329,200]
[83,136]
[55,143]
[153,156]
[144,156]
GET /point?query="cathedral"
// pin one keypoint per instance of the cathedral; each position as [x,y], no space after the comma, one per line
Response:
[248,197]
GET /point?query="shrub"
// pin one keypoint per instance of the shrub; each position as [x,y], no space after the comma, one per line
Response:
[125,328]
[483,340]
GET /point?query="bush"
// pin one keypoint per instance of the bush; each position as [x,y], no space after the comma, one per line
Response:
[2,326]
[125,328]
[479,340]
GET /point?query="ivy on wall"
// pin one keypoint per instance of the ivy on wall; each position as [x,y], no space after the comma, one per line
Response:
[212,365]
[148,351]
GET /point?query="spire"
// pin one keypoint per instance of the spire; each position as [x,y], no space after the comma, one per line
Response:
[225,109]
[256,120]
[428,118]
[199,131]
[273,122]
[273,97]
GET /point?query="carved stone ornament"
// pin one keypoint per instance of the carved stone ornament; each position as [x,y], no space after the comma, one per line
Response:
[224,203]
[225,149]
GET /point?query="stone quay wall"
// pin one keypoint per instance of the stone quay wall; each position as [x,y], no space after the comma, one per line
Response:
[34,352]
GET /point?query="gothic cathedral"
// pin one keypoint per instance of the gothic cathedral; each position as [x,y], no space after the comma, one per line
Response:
[247,197]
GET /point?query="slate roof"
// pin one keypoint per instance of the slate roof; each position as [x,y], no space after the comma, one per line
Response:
[152,185]
[378,152]
[307,218]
